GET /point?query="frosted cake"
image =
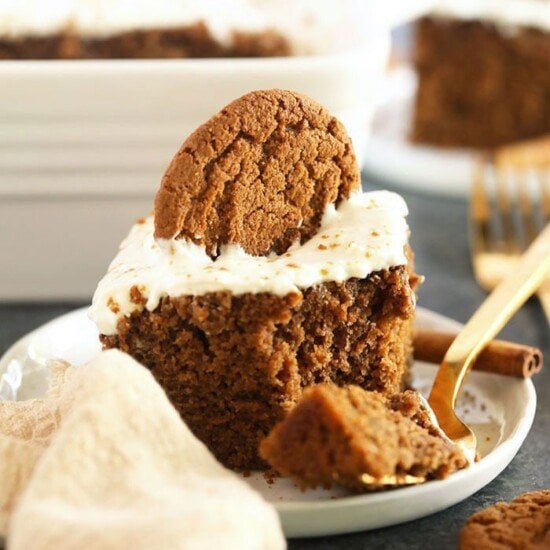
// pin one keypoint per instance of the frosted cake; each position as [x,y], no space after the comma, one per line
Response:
[264,270]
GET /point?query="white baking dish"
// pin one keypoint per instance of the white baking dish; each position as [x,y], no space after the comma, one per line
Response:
[83,145]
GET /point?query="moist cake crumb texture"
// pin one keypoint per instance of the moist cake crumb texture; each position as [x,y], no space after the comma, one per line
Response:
[334,435]
[233,366]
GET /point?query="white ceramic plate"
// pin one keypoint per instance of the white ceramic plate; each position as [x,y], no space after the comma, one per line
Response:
[499,408]
[391,156]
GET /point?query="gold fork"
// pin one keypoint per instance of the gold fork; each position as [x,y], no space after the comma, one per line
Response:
[509,295]
[501,228]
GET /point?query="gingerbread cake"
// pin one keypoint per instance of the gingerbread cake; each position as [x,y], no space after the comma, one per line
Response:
[352,437]
[264,270]
[483,73]
[123,29]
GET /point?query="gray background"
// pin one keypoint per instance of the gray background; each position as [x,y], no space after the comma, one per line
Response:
[440,242]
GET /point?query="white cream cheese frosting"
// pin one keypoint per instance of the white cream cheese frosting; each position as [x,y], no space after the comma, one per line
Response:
[366,232]
[503,13]
[311,26]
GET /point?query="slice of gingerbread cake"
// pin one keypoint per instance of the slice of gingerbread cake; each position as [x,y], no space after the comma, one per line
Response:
[264,270]
[483,73]
[356,438]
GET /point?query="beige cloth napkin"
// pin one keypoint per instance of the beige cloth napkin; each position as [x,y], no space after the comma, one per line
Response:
[104,461]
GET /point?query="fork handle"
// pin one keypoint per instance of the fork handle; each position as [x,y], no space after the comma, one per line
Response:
[491,316]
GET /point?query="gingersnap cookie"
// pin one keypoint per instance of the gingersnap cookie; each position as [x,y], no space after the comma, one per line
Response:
[523,523]
[259,174]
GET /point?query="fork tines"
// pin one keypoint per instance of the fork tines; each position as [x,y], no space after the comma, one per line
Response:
[510,202]
[510,205]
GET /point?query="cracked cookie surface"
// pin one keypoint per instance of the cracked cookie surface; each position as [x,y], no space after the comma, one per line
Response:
[259,174]
[522,523]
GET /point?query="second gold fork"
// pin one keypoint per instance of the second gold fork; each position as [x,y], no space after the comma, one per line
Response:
[517,209]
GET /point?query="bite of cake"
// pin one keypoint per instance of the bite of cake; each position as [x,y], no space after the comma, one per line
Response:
[264,271]
[356,438]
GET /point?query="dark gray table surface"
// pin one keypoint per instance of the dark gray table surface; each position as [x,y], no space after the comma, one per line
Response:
[440,242]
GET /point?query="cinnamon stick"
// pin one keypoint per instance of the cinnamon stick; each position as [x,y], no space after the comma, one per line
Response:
[498,357]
